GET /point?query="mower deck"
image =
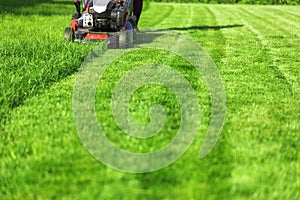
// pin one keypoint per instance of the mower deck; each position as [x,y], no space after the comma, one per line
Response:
[104,20]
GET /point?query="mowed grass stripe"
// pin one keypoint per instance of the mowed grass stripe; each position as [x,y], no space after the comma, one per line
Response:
[291,10]
[267,51]
[202,30]
[178,18]
[284,50]
[241,86]
[280,22]
[154,17]
[255,128]
[206,31]
[281,45]
[271,27]
[205,171]
[281,15]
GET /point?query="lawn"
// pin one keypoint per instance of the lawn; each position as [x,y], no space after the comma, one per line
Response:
[256,50]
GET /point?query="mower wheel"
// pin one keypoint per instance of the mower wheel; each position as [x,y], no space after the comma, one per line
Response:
[69,34]
[114,42]
[130,37]
[135,29]
[126,37]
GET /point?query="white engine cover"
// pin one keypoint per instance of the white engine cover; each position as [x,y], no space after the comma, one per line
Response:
[100,5]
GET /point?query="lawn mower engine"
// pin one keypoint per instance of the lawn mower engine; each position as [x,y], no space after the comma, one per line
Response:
[110,20]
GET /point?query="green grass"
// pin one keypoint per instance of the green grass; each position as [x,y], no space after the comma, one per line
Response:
[16,4]
[33,54]
[256,49]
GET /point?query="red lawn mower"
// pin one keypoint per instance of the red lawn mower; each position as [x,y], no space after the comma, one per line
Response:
[110,20]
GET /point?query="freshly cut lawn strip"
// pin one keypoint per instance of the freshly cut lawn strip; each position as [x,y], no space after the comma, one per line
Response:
[263,103]
[281,39]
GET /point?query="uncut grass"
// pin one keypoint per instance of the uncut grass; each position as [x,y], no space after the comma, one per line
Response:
[12,4]
[33,54]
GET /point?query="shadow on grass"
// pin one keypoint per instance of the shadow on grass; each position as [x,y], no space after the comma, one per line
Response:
[148,36]
[204,28]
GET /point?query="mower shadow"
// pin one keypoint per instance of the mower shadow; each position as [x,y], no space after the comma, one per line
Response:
[149,36]
[203,28]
